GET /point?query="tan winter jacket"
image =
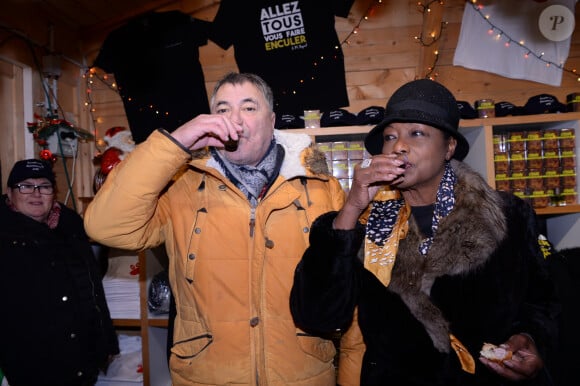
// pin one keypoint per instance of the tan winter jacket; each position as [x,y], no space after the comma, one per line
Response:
[231,270]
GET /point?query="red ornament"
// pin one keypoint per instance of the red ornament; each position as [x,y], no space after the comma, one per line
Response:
[110,158]
[46,155]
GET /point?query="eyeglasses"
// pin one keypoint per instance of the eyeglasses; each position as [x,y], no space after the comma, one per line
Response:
[29,188]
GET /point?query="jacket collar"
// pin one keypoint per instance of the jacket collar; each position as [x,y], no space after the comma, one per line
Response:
[301,158]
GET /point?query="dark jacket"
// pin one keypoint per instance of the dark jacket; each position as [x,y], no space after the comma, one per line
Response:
[483,280]
[55,327]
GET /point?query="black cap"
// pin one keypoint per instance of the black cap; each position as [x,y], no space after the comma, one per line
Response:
[370,116]
[30,168]
[421,101]
[503,109]
[466,110]
[544,103]
[288,121]
[340,117]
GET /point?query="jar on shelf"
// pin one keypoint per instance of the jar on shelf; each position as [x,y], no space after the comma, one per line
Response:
[550,139]
[569,178]
[534,141]
[339,150]
[535,180]
[568,158]
[501,162]
[502,182]
[485,108]
[551,158]
[499,144]
[570,196]
[517,161]
[539,199]
[355,150]
[567,138]
[340,168]
[519,180]
[516,141]
[534,160]
[552,178]
[573,102]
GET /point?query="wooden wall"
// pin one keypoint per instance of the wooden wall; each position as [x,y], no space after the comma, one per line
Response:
[382,55]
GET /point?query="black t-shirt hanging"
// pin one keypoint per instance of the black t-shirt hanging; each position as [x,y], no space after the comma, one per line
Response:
[155,60]
[292,45]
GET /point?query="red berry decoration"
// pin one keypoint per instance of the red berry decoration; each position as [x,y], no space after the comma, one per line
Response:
[46,155]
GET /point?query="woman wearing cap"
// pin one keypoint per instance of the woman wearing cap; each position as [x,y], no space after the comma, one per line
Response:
[55,327]
[427,261]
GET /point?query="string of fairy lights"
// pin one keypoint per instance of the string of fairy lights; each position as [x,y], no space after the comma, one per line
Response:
[432,37]
[370,12]
[500,35]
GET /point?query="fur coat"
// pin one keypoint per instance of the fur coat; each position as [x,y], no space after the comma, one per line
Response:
[483,280]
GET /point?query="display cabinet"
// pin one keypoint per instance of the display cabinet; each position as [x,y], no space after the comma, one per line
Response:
[562,216]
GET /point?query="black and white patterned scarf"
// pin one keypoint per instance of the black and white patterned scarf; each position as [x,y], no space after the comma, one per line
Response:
[385,214]
[253,181]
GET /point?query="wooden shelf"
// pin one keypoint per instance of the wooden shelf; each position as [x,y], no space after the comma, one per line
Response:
[556,210]
[127,322]
[336,130]
[158,322]
[536,119]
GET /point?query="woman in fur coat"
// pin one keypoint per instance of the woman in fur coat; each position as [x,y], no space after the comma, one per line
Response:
[427,262]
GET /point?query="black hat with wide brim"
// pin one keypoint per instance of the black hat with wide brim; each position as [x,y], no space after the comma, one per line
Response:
[421,101]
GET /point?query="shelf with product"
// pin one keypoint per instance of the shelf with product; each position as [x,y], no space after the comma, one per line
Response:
[552,187]
[533,156]
[127,284]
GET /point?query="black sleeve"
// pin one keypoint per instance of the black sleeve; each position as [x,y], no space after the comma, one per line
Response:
[540,310]
[109,331]
[225,23]
[73,222]
[326,281]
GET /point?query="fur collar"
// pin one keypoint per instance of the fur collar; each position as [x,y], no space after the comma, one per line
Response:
[464,241]
[301,157]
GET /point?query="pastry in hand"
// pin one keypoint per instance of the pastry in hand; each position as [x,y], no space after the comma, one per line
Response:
[495,353]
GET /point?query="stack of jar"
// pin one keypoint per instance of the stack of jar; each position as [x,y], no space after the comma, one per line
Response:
[341,158]
[537,165]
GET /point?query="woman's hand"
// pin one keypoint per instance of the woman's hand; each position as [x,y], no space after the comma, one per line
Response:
[525,363]
[368,177]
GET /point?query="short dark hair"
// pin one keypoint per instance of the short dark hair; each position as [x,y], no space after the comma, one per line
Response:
[240,78]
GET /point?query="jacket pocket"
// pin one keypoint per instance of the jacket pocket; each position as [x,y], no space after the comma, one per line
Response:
[319,348]
[191,337]
[192,347]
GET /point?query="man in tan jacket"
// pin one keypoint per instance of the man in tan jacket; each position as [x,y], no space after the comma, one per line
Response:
[233,200]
